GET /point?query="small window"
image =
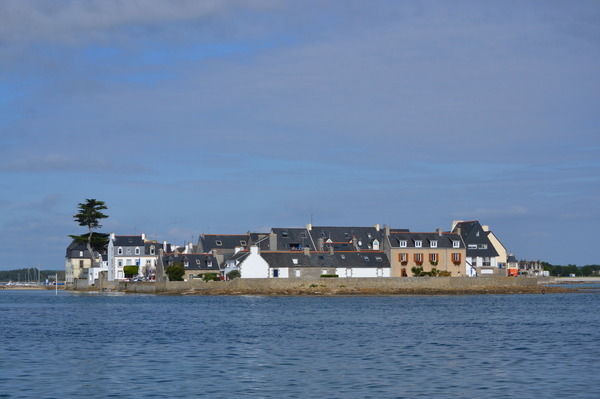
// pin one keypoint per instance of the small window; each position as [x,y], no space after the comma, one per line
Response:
[343,256]
[219,243]
[285,234]
[433,257]
[472,246]
[243,243]
[378,259]
[80,253]
[366,258]
[347,235]
[137,251]
[186,264]
[275,273]
[455,244]
[324,271]
[403,243]
[418,257]
[295,261]
[321,257]
[197,261]
[209,263]
[482,246]
[433,244]
[152,250]
[418,243]
[297,272]
[120,251]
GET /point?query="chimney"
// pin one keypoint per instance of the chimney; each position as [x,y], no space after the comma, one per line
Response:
[165,246]
[454,223]
[377,227]
[306,251]
[485,227]
[439,231]
[386,230]
[309,226]
[112,236]
[355,244]
[254,249]
[457,230]
[143,236]
[320,246]
[272,241]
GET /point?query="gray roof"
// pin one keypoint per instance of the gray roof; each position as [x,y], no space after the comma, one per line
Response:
[365,259]
[446,240]
[128,241]
[196,262]
[473,234]
[364,235]
[292,239]
[208,242]
[75,250]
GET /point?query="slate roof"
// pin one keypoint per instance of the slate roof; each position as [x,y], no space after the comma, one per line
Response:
[353,259]
[473,234]
[74,251]
[444,241]
[157,246]
[292,239]
[203,261]
[128,241]
[208,242]
[364,235]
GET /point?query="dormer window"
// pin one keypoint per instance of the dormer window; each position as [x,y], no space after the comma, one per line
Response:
[295,261]
[81,253]
[152,250]
[403,243]
[285,234]
[120,251]
[379,259]
[197,261]
[137,250]
[209,263]
[342,256]
[433,244]
[418,244]
[455,244]
[186,264]
[219,243]
[366,258]
[243,243]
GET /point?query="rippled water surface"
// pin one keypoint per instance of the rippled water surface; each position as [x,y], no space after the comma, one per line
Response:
[78,345]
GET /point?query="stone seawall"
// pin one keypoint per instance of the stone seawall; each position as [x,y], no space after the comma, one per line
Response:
[348,286]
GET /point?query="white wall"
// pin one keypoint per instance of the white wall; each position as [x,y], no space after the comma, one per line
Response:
[363,272]
[254,266]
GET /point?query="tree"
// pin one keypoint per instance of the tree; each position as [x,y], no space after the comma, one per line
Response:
[175,271]
[89,215]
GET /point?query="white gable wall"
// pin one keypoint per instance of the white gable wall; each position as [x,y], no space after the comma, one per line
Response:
[254,266]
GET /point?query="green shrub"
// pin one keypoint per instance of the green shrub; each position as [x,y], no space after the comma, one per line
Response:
[233,274]
[175,271]
[131,270]
[211,277]
[329,275]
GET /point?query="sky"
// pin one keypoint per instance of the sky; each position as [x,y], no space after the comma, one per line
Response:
[190,117]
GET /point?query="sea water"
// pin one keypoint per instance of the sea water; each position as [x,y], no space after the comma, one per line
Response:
[77,345]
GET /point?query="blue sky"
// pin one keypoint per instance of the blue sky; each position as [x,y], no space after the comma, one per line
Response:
[191,117]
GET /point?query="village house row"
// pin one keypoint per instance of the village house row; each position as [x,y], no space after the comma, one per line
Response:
[468,249]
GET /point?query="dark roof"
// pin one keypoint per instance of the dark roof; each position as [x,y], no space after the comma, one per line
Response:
[74,250]
[446,240]
[364,235]
[208,242]
[292,239]
[370,259]
[204,261]
[473,234]
[128,241]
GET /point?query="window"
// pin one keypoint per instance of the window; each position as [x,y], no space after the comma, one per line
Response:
[347,235]
[433,244]
[152,250]
[243,243]
[81,263]
[186,264]
[455,244]
[433,257]
[120,263]
[324,271]
[219,243]
[148,262]
[418,244]
[456,257]
[482,246]
[197,261]
[403,257]
[120,251]
[366,258]
[297,272]
[402,243]
[137,250]
[419,258]
[378,259]
[128,262]
[472,246]
[275,273]
[295,261]
[285,234]
[81,253]
[209,263]
[343,256]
